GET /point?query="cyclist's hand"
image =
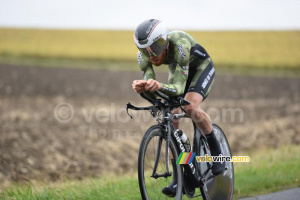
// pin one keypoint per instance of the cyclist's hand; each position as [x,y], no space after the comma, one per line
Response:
[138,85]
[152,85]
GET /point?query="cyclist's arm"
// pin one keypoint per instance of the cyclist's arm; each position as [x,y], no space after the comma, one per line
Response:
[178,75]
[146,67]
[147,71]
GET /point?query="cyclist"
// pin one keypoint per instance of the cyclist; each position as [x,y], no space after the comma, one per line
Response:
[191,73]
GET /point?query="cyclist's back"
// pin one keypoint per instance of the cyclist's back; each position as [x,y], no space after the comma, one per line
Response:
[186,58]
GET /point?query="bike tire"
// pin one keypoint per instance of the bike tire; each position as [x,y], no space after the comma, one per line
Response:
[146,183]
[220,187]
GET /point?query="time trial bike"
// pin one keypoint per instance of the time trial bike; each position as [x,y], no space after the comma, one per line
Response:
[154,169]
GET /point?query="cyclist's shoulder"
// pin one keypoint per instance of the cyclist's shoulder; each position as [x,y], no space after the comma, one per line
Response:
[181,38]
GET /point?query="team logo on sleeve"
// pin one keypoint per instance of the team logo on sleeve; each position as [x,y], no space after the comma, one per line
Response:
[185,67]
[169,88]
[200,53]
[181,51]
[208,77]
[139,58]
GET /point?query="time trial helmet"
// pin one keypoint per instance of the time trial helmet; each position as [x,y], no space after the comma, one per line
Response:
[150,37]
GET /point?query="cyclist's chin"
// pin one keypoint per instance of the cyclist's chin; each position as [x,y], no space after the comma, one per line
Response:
[156,63]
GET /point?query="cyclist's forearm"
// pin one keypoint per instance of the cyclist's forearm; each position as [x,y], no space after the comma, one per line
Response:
[172,89]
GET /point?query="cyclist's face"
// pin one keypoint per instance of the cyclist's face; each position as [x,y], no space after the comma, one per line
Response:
[158,60]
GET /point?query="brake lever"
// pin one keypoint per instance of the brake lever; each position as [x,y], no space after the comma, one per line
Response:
[128,106]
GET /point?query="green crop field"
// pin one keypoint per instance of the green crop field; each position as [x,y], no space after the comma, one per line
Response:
[255,49]
[269,170]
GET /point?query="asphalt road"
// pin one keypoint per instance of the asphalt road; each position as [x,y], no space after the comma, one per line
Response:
[292,194]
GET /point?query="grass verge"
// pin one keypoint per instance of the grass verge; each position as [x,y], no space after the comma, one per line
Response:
[269,170]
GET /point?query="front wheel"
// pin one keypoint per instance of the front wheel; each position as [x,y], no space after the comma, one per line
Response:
[153,148]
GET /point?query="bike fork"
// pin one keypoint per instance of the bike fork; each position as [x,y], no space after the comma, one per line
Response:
[154,174]
[157,156]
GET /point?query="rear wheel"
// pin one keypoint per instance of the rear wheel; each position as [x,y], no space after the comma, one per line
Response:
[154,144]
[220,187]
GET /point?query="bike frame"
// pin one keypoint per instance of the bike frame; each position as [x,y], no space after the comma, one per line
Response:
[167,128]
[165,124]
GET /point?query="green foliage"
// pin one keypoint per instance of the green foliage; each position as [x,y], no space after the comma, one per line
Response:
[268,171]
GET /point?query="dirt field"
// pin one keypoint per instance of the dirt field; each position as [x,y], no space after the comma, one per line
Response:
[99,138]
